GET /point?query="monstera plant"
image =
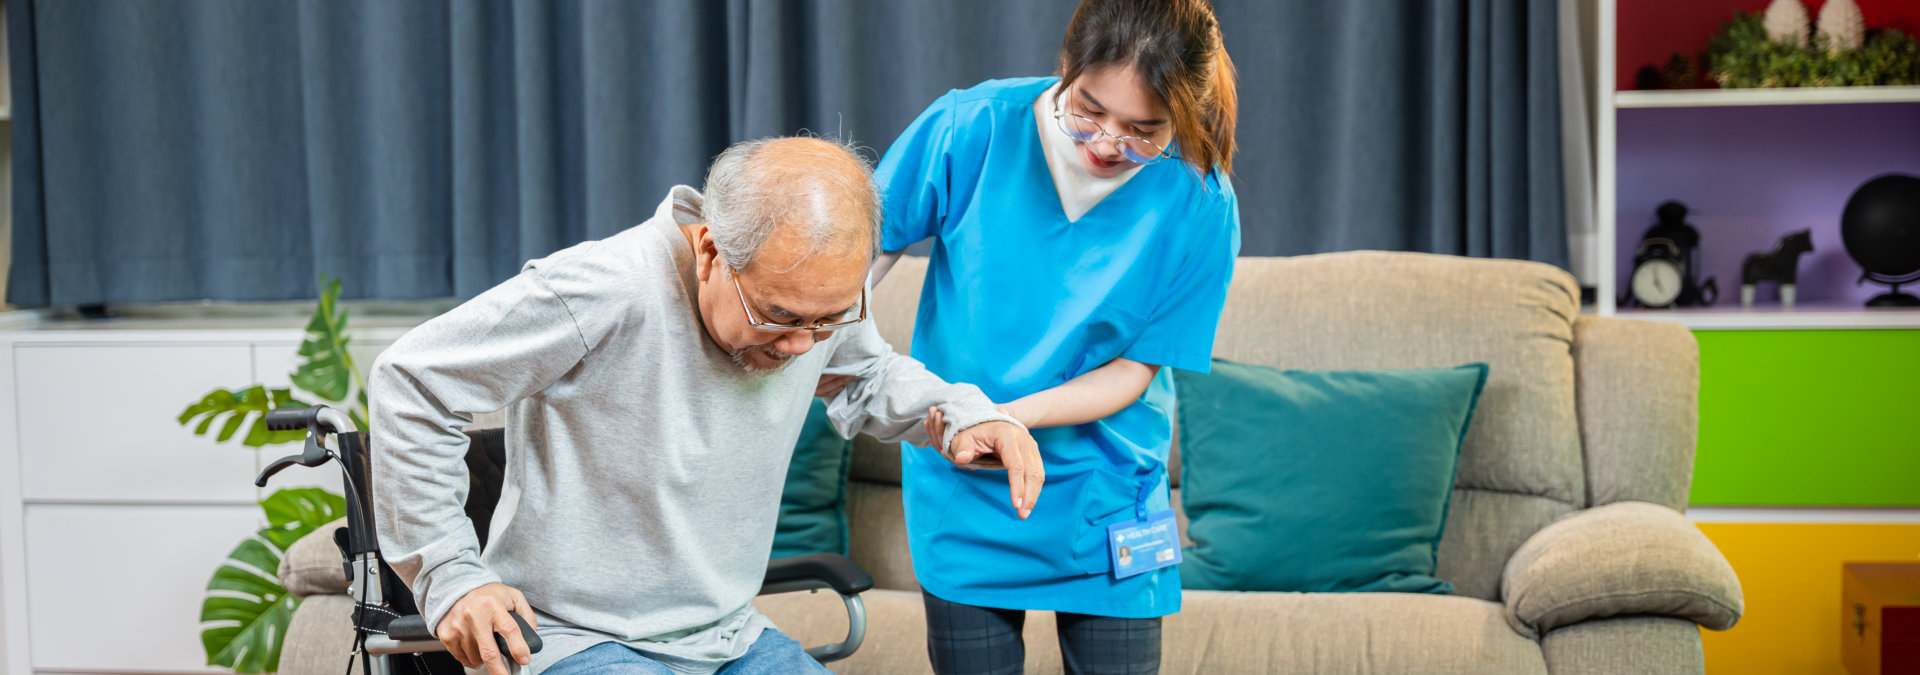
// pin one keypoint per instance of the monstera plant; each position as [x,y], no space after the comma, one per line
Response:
[244,616]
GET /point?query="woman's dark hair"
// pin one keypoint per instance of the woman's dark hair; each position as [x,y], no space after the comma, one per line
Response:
[1175,46]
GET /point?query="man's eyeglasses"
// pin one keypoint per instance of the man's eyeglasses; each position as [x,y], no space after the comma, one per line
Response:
[1136,149]
[772,327]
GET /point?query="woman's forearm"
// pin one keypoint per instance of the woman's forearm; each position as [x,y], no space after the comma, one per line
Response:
[1094,395]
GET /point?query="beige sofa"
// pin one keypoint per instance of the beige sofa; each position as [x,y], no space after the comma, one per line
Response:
[1564,539]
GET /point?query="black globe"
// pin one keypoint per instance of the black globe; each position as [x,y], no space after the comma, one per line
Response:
[1881,227]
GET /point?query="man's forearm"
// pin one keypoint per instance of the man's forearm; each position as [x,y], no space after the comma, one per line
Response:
[889,394]
[423,530]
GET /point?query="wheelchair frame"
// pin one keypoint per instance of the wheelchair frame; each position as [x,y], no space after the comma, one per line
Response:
[375,642]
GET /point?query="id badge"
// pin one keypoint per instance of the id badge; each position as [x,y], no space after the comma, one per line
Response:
[1137,546]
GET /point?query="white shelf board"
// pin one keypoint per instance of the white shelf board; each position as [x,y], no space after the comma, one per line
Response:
[1773,317]
[1707,98]
[1802,514]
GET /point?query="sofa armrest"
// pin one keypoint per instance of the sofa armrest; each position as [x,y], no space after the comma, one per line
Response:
[1624,558]
[312,564]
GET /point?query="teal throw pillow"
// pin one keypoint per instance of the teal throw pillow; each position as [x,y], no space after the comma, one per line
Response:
[813,506]
[1320,481]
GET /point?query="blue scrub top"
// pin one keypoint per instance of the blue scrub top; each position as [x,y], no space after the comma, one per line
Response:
[1017,300]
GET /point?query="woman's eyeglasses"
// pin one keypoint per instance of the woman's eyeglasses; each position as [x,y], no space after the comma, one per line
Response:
[1136,149]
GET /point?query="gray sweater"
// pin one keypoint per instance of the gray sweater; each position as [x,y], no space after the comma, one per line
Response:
[644,468]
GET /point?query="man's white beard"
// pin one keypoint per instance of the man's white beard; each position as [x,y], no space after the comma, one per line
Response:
[739,357]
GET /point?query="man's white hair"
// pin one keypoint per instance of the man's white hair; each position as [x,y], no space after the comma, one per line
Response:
[756,186]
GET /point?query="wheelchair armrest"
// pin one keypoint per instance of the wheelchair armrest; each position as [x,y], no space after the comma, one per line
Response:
[825,570]
[412,627]
[818,570]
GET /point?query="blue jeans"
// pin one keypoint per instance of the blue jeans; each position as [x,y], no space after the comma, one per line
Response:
[772,654]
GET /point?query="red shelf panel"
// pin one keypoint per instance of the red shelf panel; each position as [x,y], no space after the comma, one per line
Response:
[1649,31]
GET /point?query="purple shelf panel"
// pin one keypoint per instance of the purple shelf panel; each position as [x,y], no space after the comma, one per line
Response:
[1753,174]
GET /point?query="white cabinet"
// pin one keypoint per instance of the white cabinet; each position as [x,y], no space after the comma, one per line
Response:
[117,515]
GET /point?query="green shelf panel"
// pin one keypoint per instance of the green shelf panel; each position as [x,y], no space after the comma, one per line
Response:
[1809,418]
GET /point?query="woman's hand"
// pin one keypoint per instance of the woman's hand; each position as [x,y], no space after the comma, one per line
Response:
[936,423]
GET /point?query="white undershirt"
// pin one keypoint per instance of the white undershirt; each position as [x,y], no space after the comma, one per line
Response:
[1079,191]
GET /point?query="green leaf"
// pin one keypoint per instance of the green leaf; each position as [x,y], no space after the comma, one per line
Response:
[244,616]
[293,512]
[217,399]
[326,368]
[233,424]
[238,407]
[258,434]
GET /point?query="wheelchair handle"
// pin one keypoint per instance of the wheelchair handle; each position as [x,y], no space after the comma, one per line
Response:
[526,633]
[288,419]
[318,420]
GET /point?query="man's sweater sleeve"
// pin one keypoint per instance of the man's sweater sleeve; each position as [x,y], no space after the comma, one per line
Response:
[504,345]
[889,394]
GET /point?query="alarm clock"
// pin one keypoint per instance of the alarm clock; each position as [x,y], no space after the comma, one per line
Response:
[1666,262]
[1659,274]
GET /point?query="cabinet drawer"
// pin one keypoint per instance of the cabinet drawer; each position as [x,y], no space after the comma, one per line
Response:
[118,588]
[97,423]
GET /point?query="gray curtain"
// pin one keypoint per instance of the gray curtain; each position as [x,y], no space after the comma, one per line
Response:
[237,149]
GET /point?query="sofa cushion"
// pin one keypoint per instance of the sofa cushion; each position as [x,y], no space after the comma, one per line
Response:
[1371,309]
[879,538]
[1223,632]
[875,461]
[813,504]
[311,566]
[896,301]
[1484,528]
[1215,632]
[1320,480]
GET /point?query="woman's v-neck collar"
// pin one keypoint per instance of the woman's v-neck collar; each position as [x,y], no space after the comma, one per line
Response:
[1039,128]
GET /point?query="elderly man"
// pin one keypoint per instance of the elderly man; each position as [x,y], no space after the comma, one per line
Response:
[655,383]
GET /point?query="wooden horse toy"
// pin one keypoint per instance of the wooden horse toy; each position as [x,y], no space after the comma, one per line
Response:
[1782,265]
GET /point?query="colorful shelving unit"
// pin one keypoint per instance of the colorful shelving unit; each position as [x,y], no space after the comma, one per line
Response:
[1809,451]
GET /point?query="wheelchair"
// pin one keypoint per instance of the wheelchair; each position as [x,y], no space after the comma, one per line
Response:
[390,635]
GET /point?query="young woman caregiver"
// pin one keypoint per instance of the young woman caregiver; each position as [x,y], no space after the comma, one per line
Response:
[1084,231]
